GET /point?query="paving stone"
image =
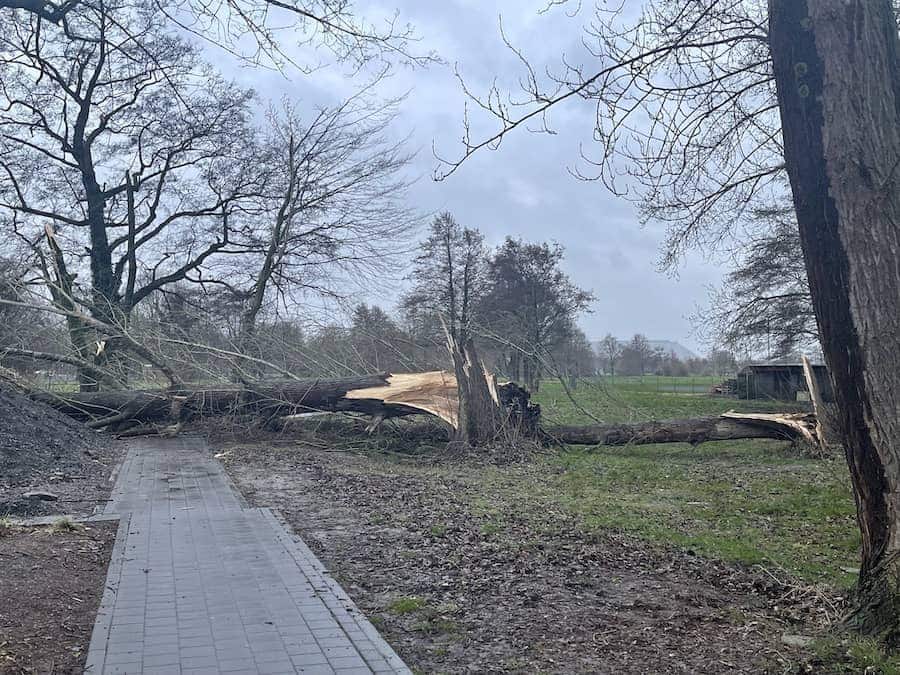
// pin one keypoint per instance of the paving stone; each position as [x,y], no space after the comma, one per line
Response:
[169,669]
[199,583]
[316,670]
[237,665]
[275,668]
[317,659]
[347,662]
[159,660]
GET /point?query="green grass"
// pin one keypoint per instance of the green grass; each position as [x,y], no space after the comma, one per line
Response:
[490,528]
[854,654]
[630,399]
[7,527]
[752,502]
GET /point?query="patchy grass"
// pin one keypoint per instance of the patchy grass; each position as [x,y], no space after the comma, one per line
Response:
[7,527]
[853,654]
[491,528]
[65,525]
[406,605]
[526,574]
[436,625]
[759,504]
[752,502]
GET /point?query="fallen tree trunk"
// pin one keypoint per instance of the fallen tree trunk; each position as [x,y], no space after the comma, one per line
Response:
[694,431]
[265,399]
[383,396]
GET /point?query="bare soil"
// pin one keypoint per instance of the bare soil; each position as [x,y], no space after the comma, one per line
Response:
[43,450]
[466,576]
[50,587]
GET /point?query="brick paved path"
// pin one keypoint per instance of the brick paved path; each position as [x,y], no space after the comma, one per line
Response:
[201,583]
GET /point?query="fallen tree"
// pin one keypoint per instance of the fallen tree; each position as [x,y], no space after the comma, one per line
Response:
[469,400]
[119,409]
[726,427]
[382,396]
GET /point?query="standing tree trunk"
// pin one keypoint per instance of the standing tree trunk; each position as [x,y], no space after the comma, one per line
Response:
[59,282]
[480,420]
[837,73]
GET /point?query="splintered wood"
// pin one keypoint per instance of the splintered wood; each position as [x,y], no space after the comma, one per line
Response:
[797,425]
[433,392]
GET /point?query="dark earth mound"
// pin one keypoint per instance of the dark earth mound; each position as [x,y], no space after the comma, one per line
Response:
[40,448]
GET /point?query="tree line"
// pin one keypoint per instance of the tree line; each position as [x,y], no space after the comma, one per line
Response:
[515,301]
[638,357]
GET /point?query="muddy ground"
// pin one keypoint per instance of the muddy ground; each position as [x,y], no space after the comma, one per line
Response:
[51,582]
[43,450]
[464,576]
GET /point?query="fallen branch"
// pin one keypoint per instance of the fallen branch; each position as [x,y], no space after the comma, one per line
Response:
[89,368]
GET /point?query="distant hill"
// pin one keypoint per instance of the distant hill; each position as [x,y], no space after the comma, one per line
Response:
[668,346]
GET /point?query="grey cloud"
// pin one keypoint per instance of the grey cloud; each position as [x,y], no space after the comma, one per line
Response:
[523,189]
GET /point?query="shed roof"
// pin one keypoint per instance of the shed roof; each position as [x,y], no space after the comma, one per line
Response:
[776,365]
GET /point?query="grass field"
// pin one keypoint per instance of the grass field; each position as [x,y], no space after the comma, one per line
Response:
[751,501]
[633,398]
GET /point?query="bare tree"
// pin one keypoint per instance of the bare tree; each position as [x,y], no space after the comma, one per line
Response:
[610,351]
[379,345]
[256,30]
[639,350]
[449,279]
[574,358]
[531,305]
[133,151]
[331,213]
[764,305]
[685,108]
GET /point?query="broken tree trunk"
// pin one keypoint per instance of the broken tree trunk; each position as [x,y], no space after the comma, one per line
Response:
[824,432]
[383,396]
[479,417]
[730,426]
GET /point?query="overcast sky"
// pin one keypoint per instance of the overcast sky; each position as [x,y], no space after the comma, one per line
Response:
[523,189]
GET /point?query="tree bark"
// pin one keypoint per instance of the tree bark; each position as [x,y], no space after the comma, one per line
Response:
[266,400]
[479,417]
[694,431]
[80,334]
[837,74]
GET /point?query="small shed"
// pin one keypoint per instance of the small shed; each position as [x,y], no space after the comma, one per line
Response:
[781,381]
